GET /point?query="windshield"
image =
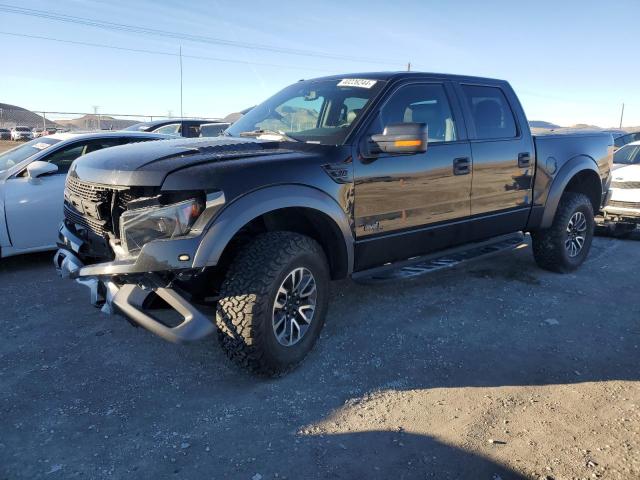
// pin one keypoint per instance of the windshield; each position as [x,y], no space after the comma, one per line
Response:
[627,155]
[320,111]
[16,155]
[23,129]
[139,127]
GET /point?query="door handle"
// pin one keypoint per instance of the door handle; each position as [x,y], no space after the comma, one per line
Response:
[524,159]
[461,166]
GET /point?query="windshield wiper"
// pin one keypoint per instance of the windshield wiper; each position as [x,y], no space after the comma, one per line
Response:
[261,131]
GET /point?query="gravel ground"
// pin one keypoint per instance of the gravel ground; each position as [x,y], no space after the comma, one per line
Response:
[492,370]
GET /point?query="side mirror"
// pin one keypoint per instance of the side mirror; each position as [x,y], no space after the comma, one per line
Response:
[37,169]
[400,138]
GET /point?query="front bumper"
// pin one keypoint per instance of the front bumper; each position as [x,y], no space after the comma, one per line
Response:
[618,213]
[123,287]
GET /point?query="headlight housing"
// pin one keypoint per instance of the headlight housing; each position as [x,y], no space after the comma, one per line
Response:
[143,225]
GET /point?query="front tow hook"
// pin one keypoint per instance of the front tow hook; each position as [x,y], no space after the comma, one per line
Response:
[66,263]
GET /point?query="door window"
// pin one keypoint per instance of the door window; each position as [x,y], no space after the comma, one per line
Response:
[191,131]
[490,112]
[426,103]
[171,129]
[64,158]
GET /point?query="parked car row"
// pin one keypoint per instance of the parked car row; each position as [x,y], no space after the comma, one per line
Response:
[22,133]
[176,128]
[192,128]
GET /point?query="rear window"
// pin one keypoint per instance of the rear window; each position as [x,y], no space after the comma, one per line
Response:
[490,111]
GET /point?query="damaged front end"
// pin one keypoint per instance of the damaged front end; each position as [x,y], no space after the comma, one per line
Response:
[133,248]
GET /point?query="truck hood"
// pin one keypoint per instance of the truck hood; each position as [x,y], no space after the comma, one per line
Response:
[146,164]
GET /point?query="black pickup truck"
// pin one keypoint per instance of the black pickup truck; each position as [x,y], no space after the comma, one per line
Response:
[334,177]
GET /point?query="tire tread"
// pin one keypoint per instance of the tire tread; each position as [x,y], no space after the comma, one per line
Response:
[244,301]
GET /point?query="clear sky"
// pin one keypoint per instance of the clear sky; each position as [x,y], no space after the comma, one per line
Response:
[569,61]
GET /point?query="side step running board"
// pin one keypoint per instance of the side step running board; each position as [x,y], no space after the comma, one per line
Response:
[440,260]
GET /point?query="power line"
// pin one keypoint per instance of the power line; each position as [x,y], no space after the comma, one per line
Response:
[157,52]
[183,36]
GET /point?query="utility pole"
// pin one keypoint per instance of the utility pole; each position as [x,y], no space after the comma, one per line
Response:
[95,115]
[181,82]
[44,120]
[409,67]
[621,115]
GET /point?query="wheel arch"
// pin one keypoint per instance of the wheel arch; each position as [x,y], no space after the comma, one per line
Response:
[296,208]
[580,175]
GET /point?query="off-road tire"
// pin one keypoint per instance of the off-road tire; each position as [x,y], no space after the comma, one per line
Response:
[244,313]
[549,244]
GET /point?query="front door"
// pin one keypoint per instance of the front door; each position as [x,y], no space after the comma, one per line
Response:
[408,205]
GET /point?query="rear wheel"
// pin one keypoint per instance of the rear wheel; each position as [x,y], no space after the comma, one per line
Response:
[564,246]
[273,302]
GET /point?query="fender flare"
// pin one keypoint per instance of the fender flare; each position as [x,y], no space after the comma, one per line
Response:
[563,177]
[250,206]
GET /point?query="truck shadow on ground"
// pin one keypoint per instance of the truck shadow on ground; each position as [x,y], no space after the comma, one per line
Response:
[25,262]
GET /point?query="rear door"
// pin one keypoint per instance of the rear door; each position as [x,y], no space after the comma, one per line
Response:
[503,159]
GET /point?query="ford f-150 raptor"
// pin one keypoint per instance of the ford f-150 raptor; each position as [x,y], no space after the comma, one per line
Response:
[334,177]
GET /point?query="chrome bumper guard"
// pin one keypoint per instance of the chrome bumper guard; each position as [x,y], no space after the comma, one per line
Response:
[129,299]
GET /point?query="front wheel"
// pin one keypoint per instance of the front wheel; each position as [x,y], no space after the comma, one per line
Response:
[564,246]
[273,302]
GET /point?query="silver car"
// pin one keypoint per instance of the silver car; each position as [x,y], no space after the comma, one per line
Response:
[32,178]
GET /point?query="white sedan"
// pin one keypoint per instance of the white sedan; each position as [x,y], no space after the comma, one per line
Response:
[622,211]
[32,178]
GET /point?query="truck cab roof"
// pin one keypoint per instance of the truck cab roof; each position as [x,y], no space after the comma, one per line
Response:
[400,75]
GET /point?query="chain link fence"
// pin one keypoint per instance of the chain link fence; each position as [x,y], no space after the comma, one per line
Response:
[75,121]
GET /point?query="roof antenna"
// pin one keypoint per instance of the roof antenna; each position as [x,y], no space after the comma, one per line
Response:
[409,67]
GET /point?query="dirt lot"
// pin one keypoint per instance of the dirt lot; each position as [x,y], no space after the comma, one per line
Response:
[7,145]
[493,370]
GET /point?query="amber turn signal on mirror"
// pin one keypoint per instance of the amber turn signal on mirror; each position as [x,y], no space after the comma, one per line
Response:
[408,143]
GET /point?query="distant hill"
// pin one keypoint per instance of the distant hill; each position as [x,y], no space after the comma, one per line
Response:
[541,127]
[96,122]
[12,115]
[235,116]
[542,124]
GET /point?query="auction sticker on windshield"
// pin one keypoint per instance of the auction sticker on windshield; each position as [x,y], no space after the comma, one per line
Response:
[41,145]
[357,82]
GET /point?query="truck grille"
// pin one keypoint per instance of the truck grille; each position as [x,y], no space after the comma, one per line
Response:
[626,185]
[89,205]
[618,203]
